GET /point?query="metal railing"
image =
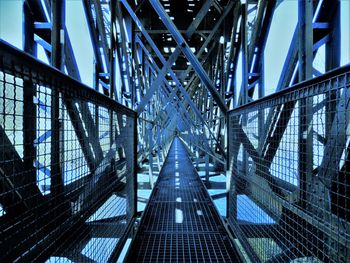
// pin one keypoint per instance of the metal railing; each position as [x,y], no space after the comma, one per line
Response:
[67,165]
[289,158]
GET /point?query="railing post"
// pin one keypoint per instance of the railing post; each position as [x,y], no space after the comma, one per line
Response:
[57,60]
[29,108]
[135,164]
[150,156]
[306,104]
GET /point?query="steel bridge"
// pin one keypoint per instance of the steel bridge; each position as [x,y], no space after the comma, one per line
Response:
[177,151]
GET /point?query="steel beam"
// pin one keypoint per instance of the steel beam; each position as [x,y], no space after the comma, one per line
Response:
[305,105]
[71,65]
[189,32]
[189,54]
[124,52]
[185,94]
[29,106]
[182,107]
[188,99]
[57,60]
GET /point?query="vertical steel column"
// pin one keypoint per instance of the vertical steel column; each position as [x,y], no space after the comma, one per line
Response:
[111,54]
[228,166]
[136,73]
[112,88]
[57,60]
[135,163]
[244,73]
[305,16]
[333,49]
[305,30]
[124,54]
[334,113]
[150,156]
[261,113]
[57,33]
[197,157]
[207,167]
[244,53]
[29,108]
[159,148]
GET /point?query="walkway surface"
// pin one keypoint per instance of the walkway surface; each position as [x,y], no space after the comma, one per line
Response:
[180,223]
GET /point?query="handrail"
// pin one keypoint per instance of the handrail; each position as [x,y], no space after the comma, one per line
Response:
[66,150]
[329,74]
[21,63]
[289,156]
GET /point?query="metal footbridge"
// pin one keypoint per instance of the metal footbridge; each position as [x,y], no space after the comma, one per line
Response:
[149,131]
[181,223]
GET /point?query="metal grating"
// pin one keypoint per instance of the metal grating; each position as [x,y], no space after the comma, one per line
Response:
[289,154]
[198,217]
[189,194]
[188,247]
[67,188]
[180,223]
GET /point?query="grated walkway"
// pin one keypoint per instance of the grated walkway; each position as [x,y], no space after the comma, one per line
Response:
[180,223]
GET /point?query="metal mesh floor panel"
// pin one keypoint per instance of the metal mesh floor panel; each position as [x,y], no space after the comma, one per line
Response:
[183,217]
[180,223]
[189,247]
[190,194]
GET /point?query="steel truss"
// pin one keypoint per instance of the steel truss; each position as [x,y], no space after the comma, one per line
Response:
[179,77]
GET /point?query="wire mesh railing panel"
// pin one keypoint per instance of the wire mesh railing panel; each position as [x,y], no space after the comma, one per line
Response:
[67,160]
[289,155]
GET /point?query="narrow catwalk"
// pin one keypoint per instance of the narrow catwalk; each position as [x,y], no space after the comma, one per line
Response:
[180,223]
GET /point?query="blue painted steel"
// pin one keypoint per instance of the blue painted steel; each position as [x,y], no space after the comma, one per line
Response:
[42,168]
[42,138]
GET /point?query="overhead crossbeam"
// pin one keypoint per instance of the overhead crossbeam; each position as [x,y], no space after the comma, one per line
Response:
[189,54]
[189,32]
[162,59]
